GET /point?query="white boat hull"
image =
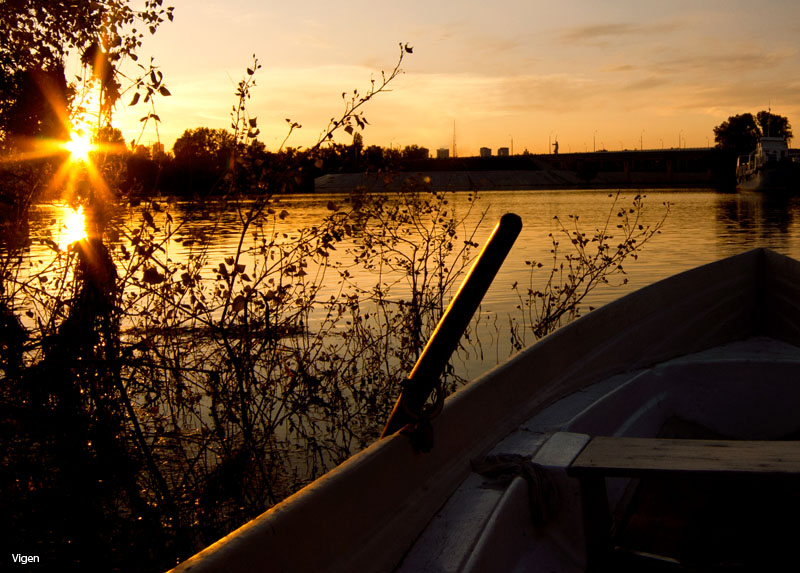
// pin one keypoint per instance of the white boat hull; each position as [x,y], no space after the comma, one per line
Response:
[387,506]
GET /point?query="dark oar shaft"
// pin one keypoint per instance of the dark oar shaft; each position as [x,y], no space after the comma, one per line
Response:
[451,327]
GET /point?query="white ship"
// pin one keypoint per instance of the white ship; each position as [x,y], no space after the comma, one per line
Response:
[770,167]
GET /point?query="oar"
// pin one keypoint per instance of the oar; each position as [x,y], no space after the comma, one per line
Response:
[429,367]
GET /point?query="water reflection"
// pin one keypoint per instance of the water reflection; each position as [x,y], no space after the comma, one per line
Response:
[702,226]
[72,227]
[757,219]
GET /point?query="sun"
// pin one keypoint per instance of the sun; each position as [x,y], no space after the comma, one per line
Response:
[84,123]
[79,146]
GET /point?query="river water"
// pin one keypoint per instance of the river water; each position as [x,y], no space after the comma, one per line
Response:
[701,226]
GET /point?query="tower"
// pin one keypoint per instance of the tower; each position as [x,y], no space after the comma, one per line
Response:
[455,149]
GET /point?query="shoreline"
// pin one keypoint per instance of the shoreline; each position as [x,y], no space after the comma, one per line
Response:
[510,180]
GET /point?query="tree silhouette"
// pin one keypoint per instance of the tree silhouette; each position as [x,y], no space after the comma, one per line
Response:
[38,35]
[203,144]
[740,133]
[773,125]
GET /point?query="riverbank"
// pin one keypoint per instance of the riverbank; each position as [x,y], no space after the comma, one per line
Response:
[672,168]
[507,181]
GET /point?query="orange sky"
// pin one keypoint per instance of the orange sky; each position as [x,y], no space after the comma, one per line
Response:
[612,74]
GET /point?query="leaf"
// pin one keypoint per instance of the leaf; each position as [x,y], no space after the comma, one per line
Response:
[283,214]
[135,99]
[229,261]
[253,121]
[332,206]
[349,129]
[152,276]
[239,303]
[148,218]
[164,91]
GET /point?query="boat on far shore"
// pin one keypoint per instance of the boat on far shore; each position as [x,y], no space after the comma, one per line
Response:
[770,167]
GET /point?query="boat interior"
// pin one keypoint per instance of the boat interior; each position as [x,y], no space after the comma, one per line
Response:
[654,433]
[673,519]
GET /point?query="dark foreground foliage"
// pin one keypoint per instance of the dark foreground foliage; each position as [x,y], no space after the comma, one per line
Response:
[150,405]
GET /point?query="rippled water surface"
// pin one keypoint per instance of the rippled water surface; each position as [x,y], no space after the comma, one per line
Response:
[702,226]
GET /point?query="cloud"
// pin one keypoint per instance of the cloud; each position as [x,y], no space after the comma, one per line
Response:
[647,83]
[621,68]
[727,62]
[605,34]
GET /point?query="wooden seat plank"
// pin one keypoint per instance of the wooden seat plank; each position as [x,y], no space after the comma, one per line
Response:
[662,457]
[634,457]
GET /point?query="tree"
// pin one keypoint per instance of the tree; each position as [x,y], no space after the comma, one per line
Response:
[740,133]
[203,145]
[38,35]
[415,152]
[375,157]
[33,102]
[357,148]
[773,125]
[203,156]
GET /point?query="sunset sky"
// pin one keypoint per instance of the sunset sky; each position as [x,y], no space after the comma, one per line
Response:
[612,74]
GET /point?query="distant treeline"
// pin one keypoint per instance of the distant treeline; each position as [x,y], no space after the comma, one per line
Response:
[204,161]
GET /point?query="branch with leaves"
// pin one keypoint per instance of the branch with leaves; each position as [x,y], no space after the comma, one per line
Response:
[570,276]
[353,116]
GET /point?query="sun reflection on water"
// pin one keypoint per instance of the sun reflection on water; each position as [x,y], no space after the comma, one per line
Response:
[73,227]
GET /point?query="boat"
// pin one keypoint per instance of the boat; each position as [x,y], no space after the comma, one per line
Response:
[658,432]
[770,167]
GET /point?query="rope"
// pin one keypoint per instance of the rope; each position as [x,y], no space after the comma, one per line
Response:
[541,491]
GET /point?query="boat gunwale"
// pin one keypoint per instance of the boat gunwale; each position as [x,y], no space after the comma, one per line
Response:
[358,517]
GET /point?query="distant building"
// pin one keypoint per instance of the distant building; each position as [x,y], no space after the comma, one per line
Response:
[502,151]
[442,153]
[486,152]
